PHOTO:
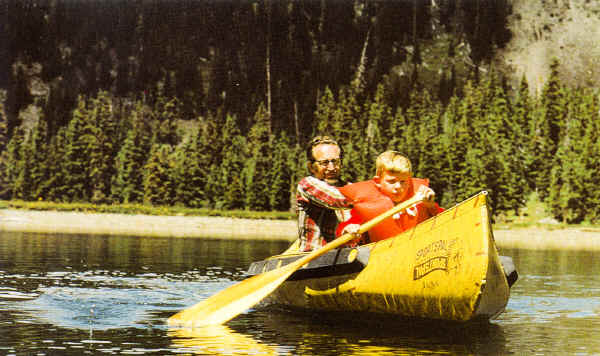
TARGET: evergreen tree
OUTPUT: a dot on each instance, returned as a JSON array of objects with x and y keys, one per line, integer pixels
[
  {"x": 188, "y": 174},
  {"x": 102, "y": 147},
  {"x": 3, "y": 122},
  {"x": 14, "y": 162},
  {"x": 259, "y": 163},
  {"x": 570, "y": 176},
  {"x": 523, "y": 128},
  {"x": 231, "y": 167},
  {"x": 158, "y": 184},
  {"x": 22, "y": 183},
  {"x": 280, "y": 175},
  {"x": 325, "y": 114},
  {"x": 167, "y": 113},
  {"x": 54, "y": 188},
  {"x": 80, "y": 134},
  {"x": 211, "y": 138},
  {"x": 128, "y": 183},
  {"x": 378, "y": 113},
  {"x": 39, "y": 151},
  {"x": 4, "y": 157},
  {"x": 549, "y": 130}
]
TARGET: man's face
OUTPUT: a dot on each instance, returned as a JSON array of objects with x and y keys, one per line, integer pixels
[
  {"x": 394, "y": 184},
  {"x": 327, "y": 163}
]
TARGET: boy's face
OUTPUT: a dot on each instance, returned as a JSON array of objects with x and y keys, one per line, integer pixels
[{"x": 394, "y": 184}]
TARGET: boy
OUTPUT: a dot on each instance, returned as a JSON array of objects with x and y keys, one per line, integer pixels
[{"x": 393, "y": 183}]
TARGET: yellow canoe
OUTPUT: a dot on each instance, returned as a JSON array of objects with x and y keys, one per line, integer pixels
[{"x": 445, "y": 268}]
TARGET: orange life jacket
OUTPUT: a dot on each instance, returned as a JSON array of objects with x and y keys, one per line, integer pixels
[{"x": 369, "y": 202}]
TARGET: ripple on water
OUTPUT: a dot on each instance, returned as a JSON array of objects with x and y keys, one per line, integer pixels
[{"x": 102, "y": 300}]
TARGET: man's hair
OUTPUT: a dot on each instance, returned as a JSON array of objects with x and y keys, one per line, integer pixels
[
  {"x": 320, "y": 140},
  {"x": 392, "y": 161}
]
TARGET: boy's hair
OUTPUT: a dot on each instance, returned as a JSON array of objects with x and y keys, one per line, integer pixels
[
  {"x": 320, "y": 140},
  {"x": 392, "y": 161}
]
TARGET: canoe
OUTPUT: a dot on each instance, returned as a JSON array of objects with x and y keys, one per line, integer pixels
[{"x": 445, "y": 268}]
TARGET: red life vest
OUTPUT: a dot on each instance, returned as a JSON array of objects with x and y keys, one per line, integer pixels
[{"x": 369, "y": 202}]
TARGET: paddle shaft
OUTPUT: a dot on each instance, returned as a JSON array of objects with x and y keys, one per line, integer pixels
[
  {"x": 344, "y": 239},
  {"x": 234, "y": 300}
]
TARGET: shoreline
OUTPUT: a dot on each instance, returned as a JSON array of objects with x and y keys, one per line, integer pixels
[{"x": 15, "y": 220}]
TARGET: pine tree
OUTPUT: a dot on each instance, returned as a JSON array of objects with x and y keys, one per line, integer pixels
[
  {"x": 523, "y": 129},
  {"x": 39, "y": 151},
  {"x": 167, "y": 113},
  {"x": 102, "y": 147},
  {"x": 325, "y": 114},
  {"x": 22, "y": 182},
  {"x": 378, "y": 113},
  {"x": 4, "y": 182},
  {"x": 451, "y": 160},
  {"x": 77, "y": 156},
  {"x": 259, "y": 163},
  {"x": 188, "y": 174},
  {"x": 54, "y": 188},
  {"x": 231, "y": 166},
  {"x": 128, "y": 183},
  {"x": 549, "y": 130},
  {"x": 14, "y": 161},
  {"x": 158, "y": 184},
  {"x": 570, "y": 176},
  {"x": 280, "y": 175},
  {"x": 211, "y": 138},
  {"x": 3, "y": 123}
]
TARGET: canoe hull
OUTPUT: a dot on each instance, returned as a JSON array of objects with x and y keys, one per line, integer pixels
[{"x": 445, "y": 268}]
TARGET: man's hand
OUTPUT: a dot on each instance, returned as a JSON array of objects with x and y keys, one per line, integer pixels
[{"x": 351, "y": 229}]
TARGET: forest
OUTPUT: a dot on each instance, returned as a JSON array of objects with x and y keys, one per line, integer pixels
[{"x": 210, "y": 103}]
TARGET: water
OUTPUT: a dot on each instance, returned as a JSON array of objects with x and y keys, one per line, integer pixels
[{"x": 74, "y": 294}]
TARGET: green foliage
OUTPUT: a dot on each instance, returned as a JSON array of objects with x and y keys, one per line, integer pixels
[
  {"x": 280, "y": 174},
  {"x": 54, "y": 188},
  {"x": 14, "y": 162},
  {"x": 259, "y": 163},
  {"x": 79, "y": 135},
  {"x": 486, "y": 138},
  {"x": 103, "y": 147},
  {"x": 187, "y": 174},
  {"x": 158, "y": 182},
  {"x": 229, "y": 169},
  {"x": 549, "y": 129},
  {"x": 128, "y": 183}
]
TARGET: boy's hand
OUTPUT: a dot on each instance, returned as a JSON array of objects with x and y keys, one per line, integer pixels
[
  {"x": 428, "y": 199},
  {"x": 427, "y": 193}
]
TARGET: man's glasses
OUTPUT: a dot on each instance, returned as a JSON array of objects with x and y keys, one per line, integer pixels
[{"x": 325, "y": 162}]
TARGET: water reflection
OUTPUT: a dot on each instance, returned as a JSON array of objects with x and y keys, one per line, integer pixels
[
  {"x": 361, "y": 334},
  {"x": 112, "y": 295},
  {"x": 217, "y": 340}
]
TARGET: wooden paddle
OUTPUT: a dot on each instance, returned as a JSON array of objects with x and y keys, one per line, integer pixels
[{"x": 234, "y": 300}]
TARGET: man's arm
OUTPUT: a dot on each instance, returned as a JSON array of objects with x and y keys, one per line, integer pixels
[{"x": 322, "y": 194}]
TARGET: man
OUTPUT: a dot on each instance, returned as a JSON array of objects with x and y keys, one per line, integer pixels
[{"x": 320, "y": 205}]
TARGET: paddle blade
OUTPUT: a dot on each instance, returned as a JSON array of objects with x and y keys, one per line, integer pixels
[{"x": 232, "y": 301}]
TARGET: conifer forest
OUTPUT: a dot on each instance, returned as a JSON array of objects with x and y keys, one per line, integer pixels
[{"x": 205, "y": 103}]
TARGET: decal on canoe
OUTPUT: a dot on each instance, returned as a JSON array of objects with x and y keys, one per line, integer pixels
[
  {"x": 433, "y": 264},
  {"x": 436, "y": 247}
]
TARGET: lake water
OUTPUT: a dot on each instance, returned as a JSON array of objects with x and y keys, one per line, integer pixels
[{"x": 83, "y": 294}]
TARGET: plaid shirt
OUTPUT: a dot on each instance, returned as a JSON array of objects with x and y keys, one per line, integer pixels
[{"x": 320, "y": 209}]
